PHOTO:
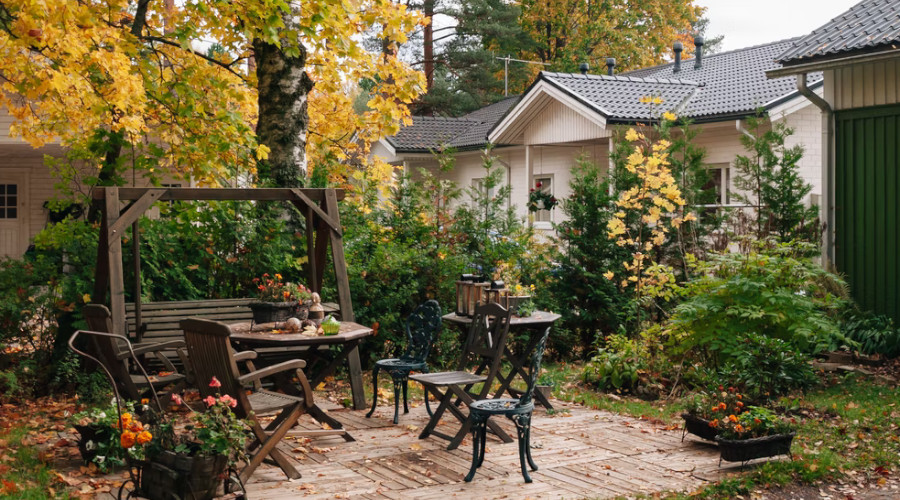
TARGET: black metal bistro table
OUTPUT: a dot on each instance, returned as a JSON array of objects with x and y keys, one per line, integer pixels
[{"x": 536, "y": 325}]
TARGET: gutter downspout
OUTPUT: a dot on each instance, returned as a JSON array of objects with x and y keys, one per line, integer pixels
[{"x": 827, "y": 167}]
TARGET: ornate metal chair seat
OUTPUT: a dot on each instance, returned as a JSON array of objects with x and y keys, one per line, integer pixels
[{"x": 422, "y": 328}]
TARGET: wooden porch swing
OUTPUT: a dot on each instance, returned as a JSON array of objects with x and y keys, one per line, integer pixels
[{"x": 323, "y": 227}]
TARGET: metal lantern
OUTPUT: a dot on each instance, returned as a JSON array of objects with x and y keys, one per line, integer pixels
[{"x": 495, "y": 293}]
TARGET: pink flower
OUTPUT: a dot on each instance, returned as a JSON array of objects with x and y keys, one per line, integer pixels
[
  {"x": 215, "y": 382},
  {"x": 176, "y": 399},
  {"x": 230, "y": 401},
  {"x": 209, "y": 400}
]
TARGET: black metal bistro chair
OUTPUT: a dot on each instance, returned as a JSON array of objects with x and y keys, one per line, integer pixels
[
  {"x": 422, "y": 328},
  {"x": 518, "y": 410}
]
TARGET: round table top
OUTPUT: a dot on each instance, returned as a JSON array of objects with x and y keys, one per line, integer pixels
[
  {"x": 265, "y": 334},
  {"x": 537, "y": 318}
]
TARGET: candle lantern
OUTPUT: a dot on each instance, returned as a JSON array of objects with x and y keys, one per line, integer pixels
[
  {"x": 464, "y": 290},
  {"x": 477, "y": 296},
  {"x": 495, "y": 293}
]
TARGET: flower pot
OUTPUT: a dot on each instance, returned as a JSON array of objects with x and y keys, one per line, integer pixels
[
  {"x": 742, "y": 450},
  {"x": 177, "y": 475},
  {"x": 87, "y": 440},
  {"x": 272, "y": 312},
  {"x": 512, "y": 302},
  {"x": 699, "y": 427}
]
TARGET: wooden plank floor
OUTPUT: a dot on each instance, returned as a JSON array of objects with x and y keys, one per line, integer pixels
[{"x": 581, "y": 453}]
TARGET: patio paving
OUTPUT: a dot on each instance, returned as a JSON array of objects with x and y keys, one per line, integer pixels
[{"x": 581, "y": 453}]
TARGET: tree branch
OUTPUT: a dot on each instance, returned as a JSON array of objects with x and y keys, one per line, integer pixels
[{"x": 224, "y": 65}]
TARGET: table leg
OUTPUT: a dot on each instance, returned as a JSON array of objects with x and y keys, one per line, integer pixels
[
  {"x": 518, "y": 369},
  {"x": 356, "y": 382}
]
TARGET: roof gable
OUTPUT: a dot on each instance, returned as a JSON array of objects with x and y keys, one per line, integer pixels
[{"x": 869, "y": 26}]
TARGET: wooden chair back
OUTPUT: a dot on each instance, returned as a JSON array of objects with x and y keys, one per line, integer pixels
[
  {"x": 485, "y": 340},
  {"x": 211, "y": 355},
  {"x": 110, "y": 348},
  {"x": 422, "y": 328}
]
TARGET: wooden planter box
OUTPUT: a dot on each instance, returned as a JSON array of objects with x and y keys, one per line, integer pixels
[
  {"x": 273, "y": 312},
  {"x": 698, "y": 427},
  {"x": 743, "y": 450},
  {"x": 176, "y": 475}
]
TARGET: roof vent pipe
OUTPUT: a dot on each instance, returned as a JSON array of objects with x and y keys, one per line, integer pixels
[
  {"x": 698, "y": 52},
  {"x": 584, "y": 68},
  {"x": 610, "y": 65},
  {"x": 678, "y": 48}
]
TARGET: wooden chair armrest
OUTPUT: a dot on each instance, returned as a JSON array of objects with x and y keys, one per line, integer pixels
[
  {"x": 244, "y": 356},
  {"x": 152, "y": 348},
  {"x": 167, "y": 363},
  {"x": 294, "y": 364}
]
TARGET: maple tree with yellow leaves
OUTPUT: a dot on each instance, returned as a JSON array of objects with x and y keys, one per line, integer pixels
[{"x": 211, "y": 89}]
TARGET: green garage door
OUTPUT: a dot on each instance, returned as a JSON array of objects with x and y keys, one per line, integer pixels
[{"x": 867, "y": 205}]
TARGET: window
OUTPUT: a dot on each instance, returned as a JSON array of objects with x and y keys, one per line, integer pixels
[
  {"x": 543, "y": 183},
  {"x": 478, "y": 185},
  {"x": 9, "y": 201},
  {"x": 720, "y": 183}
]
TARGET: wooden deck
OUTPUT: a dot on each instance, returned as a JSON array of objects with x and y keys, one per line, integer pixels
[{"x": 581, "y": 453}]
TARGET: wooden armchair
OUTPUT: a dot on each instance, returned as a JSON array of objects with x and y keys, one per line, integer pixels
[
  {"x": 120, "y": 358},
  {"x": 483, "y": 350},
  {"x": 211, "y": 356}
]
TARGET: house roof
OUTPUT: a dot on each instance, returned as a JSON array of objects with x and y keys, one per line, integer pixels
[
  {"x": 729, "y": 84},
  {"x": 466, "y": 132},
  {"x": 617, "y": 98},
  {"x": 869, "y": 26},
  {"x": 733, "y": 82}
]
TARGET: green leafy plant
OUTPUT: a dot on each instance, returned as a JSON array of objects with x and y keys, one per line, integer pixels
[
  {"x": 875, "y": 334},
  {"x": 776, "y": 294},
  {"x": 765, "y": 367},
  {"x": 618, "y": 365},
  {"x": 540, "y": 200}
]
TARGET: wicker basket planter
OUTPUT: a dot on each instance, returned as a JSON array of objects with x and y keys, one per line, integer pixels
[
  {"x": 743, "y": 450},
  {"x": 698, "y": 427},
  {"x": 177, "y": 475},
  {"x": 272, "y": 312}
]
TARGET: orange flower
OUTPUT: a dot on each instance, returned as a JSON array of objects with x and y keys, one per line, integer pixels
[
  {"x": 757, "y": 421},
  {"x": 714, "y": 423},
  {"x": 135, "y": 426},
  {"x": 722, "y": 406},
  {"x": 124, "y": 420},
  {"x": 739, "y": 428},
  {"x": 732, "y": 418},
  {"x": 740, "y": 397},
  {"x": 739, "y": 404},
  {"x": 144, "y": 437},
  {"x": 127, "y": 439},
  {"x": 715, "y": 408}
]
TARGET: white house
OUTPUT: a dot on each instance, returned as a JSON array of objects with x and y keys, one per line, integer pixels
[{"x": 539, "y": 134}]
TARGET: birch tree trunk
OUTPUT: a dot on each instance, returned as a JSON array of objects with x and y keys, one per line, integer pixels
[{"x": 283, "y": 119}]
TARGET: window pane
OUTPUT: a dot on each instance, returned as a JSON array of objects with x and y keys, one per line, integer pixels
[
  {"x": 2, "y": 213},
  {"x": 10, "y": 213},
  {"x": 2, "y": 188},
  {"x": 11, "y": 189},
  {"x": 11, "y": 201},
  {"x": 715, "y": 183}
]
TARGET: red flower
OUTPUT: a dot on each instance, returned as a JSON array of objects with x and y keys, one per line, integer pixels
[
  {"x": 537, "y": 184},
  {"x": 215, "y": 382},
  {"x": 209, "y": 400},
  {"x": 176, "y": 399},
  {"x": 230, "y": 401}
]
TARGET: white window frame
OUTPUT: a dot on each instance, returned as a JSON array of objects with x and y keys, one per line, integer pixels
[{"x": 725, "y": 192}]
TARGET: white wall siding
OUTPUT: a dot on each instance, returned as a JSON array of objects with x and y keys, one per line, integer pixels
[
  {"x": 807, "y": 126},
  {"x": 558, "y": 123},
  {"x": 863, "y": 85}
]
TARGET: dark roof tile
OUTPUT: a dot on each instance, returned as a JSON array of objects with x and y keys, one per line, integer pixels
[{"x": 870, "y": 25}]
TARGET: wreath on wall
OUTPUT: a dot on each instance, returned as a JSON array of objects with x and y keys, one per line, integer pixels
[{"x": 540, "y": 200}]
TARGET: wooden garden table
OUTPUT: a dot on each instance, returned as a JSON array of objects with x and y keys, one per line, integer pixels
[
  {"x": 265, "y": 340},
  {"x": 536, "y": 325}
]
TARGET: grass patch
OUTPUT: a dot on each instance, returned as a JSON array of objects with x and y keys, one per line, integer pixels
[{"x": 23, "y": 475}]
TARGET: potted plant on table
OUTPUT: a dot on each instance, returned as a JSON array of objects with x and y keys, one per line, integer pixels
[
  {"x": 707, "y": 409},
  {"x": 755, "y": 433},
  {"x": 277, "y": 300}
]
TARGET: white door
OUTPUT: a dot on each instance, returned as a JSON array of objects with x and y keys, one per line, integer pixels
[{"x": 13, "y": 236}]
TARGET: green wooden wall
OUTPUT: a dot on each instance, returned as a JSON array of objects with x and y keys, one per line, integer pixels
[{"x": 867, "y": 205}]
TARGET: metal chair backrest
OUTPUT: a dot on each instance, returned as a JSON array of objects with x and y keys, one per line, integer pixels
[
  {"x": 111, "y": 348},
  {"x": 211, "y": 355},
  {"x": 422, "y": 328},
  {"x": 534, "y": 369},
  {"x": 113, "y": 369},
  {"x": 486, "y": 339}
]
